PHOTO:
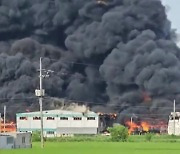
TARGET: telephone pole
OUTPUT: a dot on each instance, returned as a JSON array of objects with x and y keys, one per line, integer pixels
[
  {"x": 40, "y": 101},
  {"x": 40, "y": 93},
  {"x": 133, "y": 116},
  {"x": 174, "y": 117},
  {"x": 131, "y": 120},
  {"x": 4, "y": 119}
]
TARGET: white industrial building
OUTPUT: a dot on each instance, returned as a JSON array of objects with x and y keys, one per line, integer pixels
[
  {"x": 58, "y": 122},
  {"x": 174, "y": 124},
  {"x": 15, "y": 140}
]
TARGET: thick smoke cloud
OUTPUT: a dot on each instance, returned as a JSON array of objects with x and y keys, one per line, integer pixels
[{"x": 120, "y": 55}]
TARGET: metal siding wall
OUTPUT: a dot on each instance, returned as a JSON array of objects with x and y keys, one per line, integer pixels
[
  {"x": 83, "y": 126},
  {"x": 75, "y": 130},
  {"x": 50, "y": 123},
  {"x": 171, "y": 127}
]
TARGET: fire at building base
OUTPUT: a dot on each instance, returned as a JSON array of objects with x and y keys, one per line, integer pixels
[
  {"x": 142, "y": 127},
  {"x": 80, "y": 118}
]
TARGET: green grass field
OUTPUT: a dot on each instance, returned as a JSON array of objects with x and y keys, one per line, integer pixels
[{"x": 99, "y": 148}]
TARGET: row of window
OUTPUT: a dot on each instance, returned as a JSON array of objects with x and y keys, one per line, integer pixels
[
  {"x": 61, "y": 118},
  {"x": 50, "y": 132}
]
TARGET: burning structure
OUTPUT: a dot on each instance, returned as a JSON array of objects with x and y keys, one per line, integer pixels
[
  {"x": 106, "y": 54},
  {"x": 142, "y": 127},
  {"x": 8, "y": 127},
  {"x": 106, "y": 120}
]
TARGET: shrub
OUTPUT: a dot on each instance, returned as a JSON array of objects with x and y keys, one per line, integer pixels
[
  {"x": 36, "y": 136},
  {"x": 118, "y": 133},
  {"x": 173, "y": 136},
  {"x": 148, "y": 137},
  {"x": 81, "y": 138}
]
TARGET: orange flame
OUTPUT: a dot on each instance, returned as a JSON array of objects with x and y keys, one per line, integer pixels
[
  {"x": 9, "y": 127},
  {"x": 145, "y": 126},
  {"x": 133, "y": 126}
]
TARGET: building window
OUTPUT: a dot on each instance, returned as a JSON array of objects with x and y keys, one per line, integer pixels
[
  {"x": 36, "y": 118},
  {"x": 23, "y": 139},
  {"x": 176, "y": 118},
  {"x": 77, "y": 118},
  {"x": 91, "y": 118},
  {"x": 50, "y": 132},
  {"x": 23, "y": 118},
  {"x": 50, "y": 118},
  {"x": 171, "y": 117},
  {"x": 10, "y": 140},
  {"x": 63, "y": 118}
]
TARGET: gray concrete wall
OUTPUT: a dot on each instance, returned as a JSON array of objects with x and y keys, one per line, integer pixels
[
  {"x": 4, "y": 144},
  {"x": 23, "y": 143}
]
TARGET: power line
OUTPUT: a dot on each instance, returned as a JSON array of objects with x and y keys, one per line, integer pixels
[
  {"x": 73, "y": 62},
  {"x": 25, "y": 98},
  {"x": 142, "y": 114},
  {"x": 119, "y": 113},
  {"x": 89, "y": 103},
  {"x": 111, "y": 105},
  {"x": 85, "y": 64}
]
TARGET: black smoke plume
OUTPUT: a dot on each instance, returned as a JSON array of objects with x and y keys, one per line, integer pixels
[{"x": 120, "y": 55}]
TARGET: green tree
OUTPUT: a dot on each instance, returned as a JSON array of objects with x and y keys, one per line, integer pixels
[{"x": 118, "y": 133}]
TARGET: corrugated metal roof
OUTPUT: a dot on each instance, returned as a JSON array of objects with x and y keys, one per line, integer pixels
[{"x": 59, "y": 112}]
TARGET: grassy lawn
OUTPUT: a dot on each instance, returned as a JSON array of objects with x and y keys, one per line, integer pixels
[{"x": 99, "y": 148}]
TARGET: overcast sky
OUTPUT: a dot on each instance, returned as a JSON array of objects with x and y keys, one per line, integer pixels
[{"x": 173, "y": 13}]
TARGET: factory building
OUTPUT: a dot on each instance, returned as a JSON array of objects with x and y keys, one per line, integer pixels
[{"x": 59, "y": 122}]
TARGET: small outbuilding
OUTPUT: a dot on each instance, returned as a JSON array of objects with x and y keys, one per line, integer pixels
[{"x": 15, "y": 140}]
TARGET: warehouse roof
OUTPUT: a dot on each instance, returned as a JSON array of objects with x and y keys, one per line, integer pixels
[{"x": 58, "y": 112}]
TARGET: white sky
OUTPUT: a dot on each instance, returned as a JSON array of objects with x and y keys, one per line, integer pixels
[{"x": 173, "y": 13}]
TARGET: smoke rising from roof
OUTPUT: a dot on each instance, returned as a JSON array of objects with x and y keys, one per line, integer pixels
[{"x": 129, "y": 44}]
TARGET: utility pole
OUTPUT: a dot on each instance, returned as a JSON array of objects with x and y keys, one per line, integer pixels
[
  {"x": 133, "y": 115},
  {"x": 174, "y": 117},
  {"x": 4, "y": 118},
  {"x": 40, "y": 101},
  {"x": 40, "y": 93},
  {"x": 131, "y": 120}
]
